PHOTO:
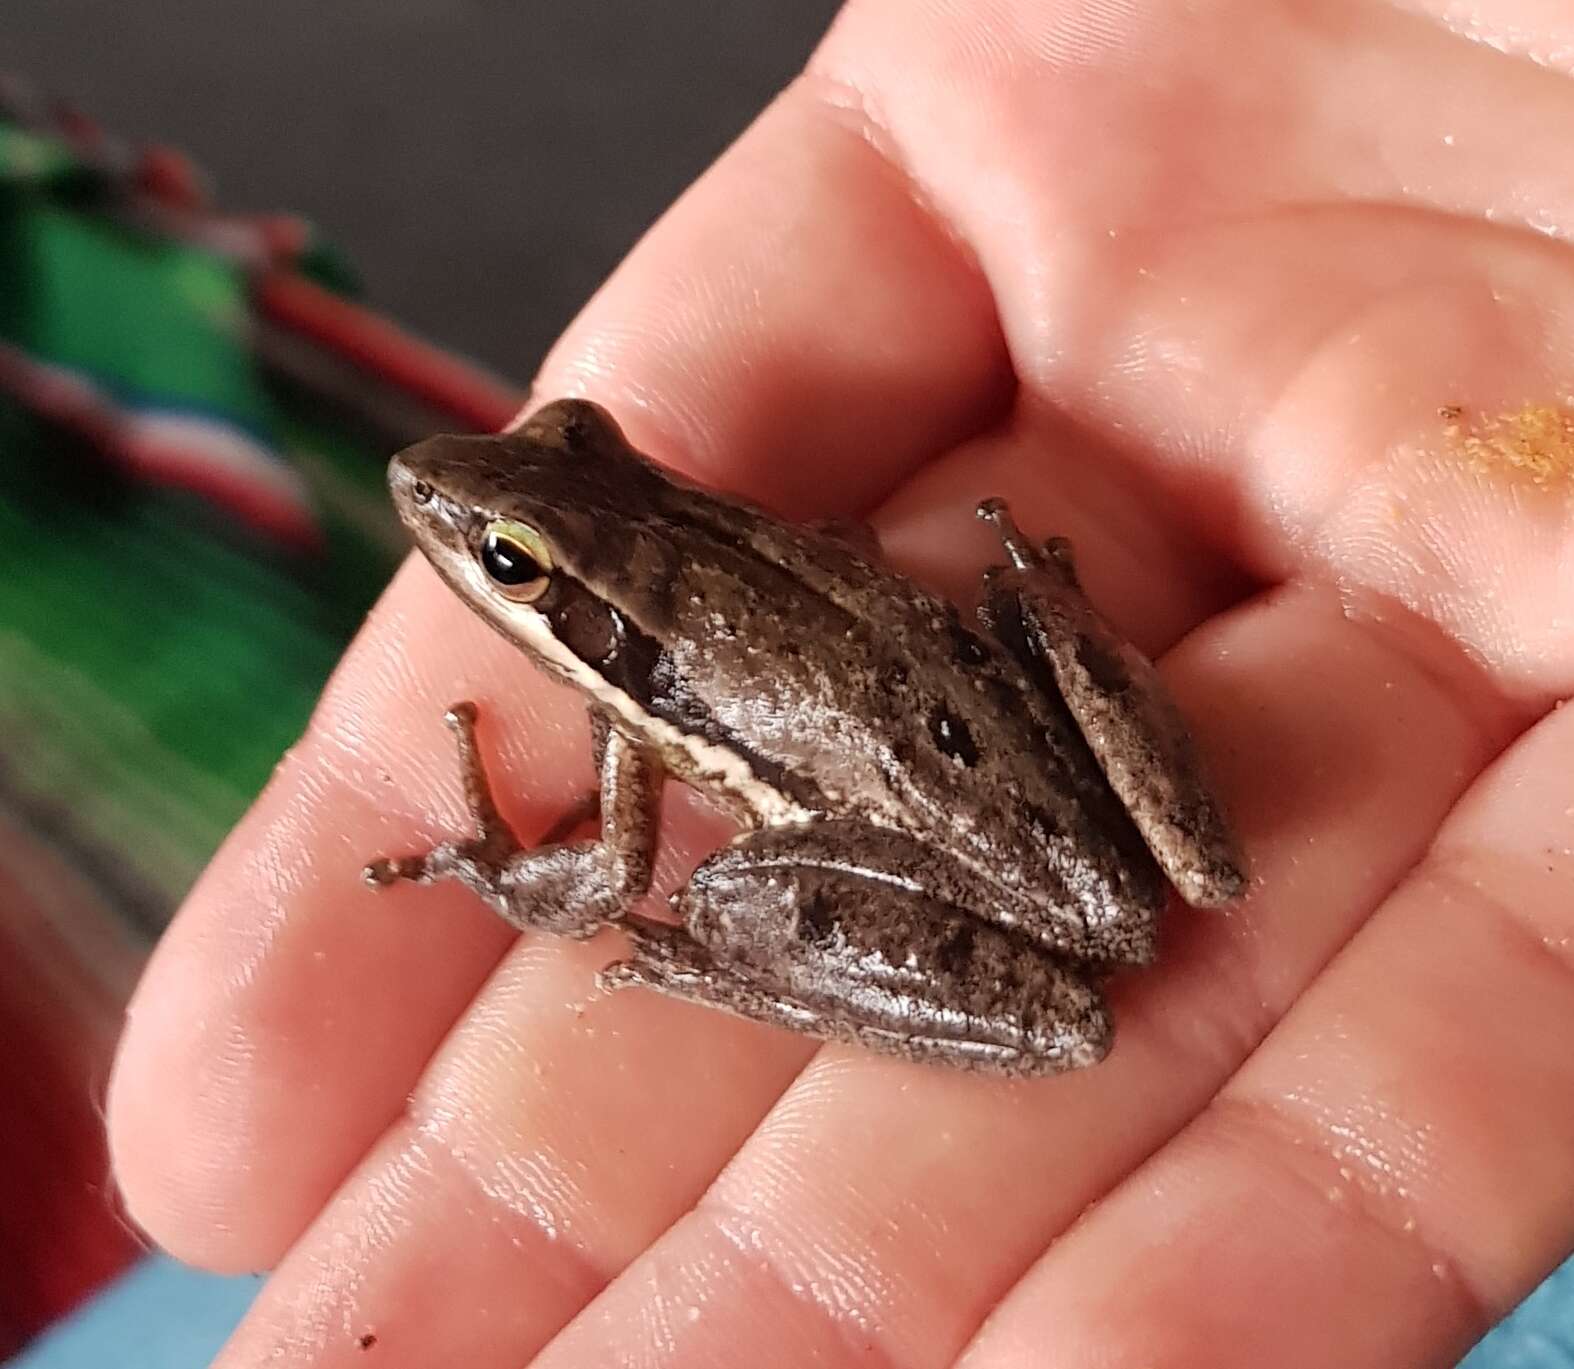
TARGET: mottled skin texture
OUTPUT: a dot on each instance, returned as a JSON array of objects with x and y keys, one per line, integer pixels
[{"x": 934, "y": 861}]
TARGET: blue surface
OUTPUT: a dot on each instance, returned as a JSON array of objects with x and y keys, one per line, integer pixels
[
  {"x": 1538, "y": 1335},
  {"x": 163, "y": 1315}
]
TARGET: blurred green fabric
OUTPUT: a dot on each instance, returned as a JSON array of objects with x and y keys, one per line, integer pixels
[
  {"x": 194, "y": 421},
  {"x": 159, "y": 647}
]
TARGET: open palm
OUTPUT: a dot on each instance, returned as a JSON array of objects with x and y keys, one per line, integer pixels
[{"x": 1190, "y": 283}]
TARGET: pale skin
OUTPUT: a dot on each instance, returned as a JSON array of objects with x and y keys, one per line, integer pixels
[{"x": 1187, "y": 284}]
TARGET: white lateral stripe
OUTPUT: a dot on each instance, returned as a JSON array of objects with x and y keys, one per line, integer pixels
[{"x": 726, "y": 768}]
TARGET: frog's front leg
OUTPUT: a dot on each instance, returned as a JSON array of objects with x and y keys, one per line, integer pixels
[
  {"x": 833, "y": 929},
  {"x": 570, "y": 888},
  {"x": 1038, "y": 610}
]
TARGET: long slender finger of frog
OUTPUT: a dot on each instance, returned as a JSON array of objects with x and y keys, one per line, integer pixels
[
  {"x": 600, "y": 729},
  {"x": 494, "y": 841},
  {"x": 449, "y": 860},
  {"x": 387, "y": 870},
  {"x": 995, "y": 512},
  {"x": 469, "y": 862},
  {"x": 631, "y": 777},
  {"x": 489, "y": 824}
]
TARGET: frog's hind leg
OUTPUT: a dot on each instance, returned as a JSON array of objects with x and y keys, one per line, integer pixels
[
  {"x": 570, "y": 888},
  {"x": 668, "y": 961},
  {"x": 1122, "y": 707},
  {"x": 855, "y": 933}
]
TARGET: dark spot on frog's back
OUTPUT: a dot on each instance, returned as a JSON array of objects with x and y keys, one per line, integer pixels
[{"x": 952, "y": 736}]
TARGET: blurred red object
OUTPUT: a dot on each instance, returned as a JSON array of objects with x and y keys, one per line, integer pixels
[{"x": 60, "y": 1009}]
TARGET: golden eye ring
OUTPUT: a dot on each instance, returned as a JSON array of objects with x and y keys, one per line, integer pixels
[{"x": 516, "y": 560}]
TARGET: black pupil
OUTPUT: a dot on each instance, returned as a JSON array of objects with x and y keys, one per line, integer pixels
[{"x": 507, "y": 562}]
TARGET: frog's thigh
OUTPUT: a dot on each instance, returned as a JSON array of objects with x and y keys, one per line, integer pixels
[
  {"x": 850, "y": 947},
  {"x": 672, "y": 963}
]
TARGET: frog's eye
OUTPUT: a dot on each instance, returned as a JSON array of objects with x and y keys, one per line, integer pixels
[{"x": 516, "y": 560}]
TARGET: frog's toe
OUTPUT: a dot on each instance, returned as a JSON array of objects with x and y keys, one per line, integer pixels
[{"x": 386, "y": 870}]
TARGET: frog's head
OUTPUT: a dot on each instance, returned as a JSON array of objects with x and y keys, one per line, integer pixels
[{"x": 546, "y": 532}]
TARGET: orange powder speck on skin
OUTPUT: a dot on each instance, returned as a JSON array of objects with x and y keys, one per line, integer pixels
[{"x": 1536, "y": 440}]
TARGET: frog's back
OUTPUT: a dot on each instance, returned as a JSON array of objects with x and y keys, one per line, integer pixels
[
  {"x": 866, "y": 696},
  {"x": 779, "y": 667}
]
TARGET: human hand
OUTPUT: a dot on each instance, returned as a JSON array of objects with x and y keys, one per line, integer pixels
[{"x": 1188, "y": 283}]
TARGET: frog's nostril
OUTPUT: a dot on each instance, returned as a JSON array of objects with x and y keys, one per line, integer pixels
[{"x": 421, "y": 492}]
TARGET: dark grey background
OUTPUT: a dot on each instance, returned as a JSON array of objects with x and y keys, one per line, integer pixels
[{"x": 483, "y": 163}]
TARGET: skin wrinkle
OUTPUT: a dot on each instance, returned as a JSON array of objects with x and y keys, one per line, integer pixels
[
  {"x": 839, "y": 98},
  {"x": 1406, "y": 13},
  {"x": 1445, "y": 870},
  {"x": 725, "y": 1214},
  {"x": 408, "y": 1152},
  {"x": 1413, "y": 210},
  {"x": 860, "y": 1337},
  {"x": 573, "y": 1264},
  {"x": 1282, "y": 1142},
  {"x": 539, "y": 1188},
  {"x": 1454, "y": 671},
  {"x": 330, "y": 1306},
  {"x": 1480, "y": 46}
]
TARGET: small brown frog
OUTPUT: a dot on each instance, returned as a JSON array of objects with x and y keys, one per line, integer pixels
[{"x": 950, "y": 836}]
